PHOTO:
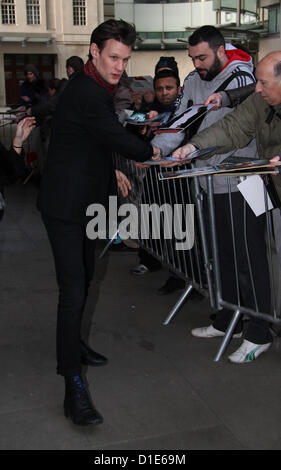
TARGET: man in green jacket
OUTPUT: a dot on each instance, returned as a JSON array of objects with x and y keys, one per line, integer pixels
[{"x": 259, "y": 117}]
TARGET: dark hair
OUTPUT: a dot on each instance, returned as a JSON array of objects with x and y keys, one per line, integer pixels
[
  {"x": 208, "y": 34},
  {"x": 167, "y": 63},
  {"x": 76, "y": 63},
  {"x": 113, "y": 29},
  {"x": 166, "y": 74},
  {"x": 54, "y": 84},
  {"x": 277, "y": 70}
]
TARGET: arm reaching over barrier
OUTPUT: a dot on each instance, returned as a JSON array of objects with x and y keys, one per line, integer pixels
[
  {"x": 183, "y": 151},
  {"x": 216, "y": 99}
]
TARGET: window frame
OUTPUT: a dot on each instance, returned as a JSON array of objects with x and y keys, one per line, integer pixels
[
  {"x": 79, "y": 12},
  {"x": 8, "y": 12},
  {"x": 274, "y": 9},
  {"x": 33, "y": 12}
]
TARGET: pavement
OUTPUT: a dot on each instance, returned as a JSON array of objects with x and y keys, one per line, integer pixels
[{"x": 161, "y": 390}]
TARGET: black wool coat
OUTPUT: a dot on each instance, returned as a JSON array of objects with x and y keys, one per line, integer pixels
[{"x": 79, "y": 168}]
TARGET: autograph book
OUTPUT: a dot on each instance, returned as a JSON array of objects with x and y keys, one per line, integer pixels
[
  {"x": 225, "y": 169},
  {"x": 141, "y": 119},
  {"x": 197, "y": 153},
  {"x": 184, "y": 120}
]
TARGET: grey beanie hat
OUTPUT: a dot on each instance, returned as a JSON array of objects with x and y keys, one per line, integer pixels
[{"x": 31, "y": 68}]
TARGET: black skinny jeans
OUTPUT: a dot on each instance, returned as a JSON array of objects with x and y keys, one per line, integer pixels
[{"x": 74, "y": 256}]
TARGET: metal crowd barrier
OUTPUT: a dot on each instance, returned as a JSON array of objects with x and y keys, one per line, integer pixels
[
  {"x": 192, "y": 265},
  {"x": 239, "y": 309},
  {"x": 200, "y": 265},
  {"x": 32, "y": 146},
  {"x": 7, "y": 127}
]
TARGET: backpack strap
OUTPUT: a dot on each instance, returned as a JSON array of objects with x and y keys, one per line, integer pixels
[
  {"x": 239, "y": 73},
  {"x": 193, "y": 129}
]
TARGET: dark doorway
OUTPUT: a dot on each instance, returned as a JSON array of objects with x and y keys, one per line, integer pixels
[{"x": 14, "y": 65}]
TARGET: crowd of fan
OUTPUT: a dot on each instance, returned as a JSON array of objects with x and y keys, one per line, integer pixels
[{"x": 38, "y": 99}]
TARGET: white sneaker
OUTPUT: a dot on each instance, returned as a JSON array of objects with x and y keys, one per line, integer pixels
[
  {"x": 248, "y": 352},
  {"x": 210, "y": 332}
]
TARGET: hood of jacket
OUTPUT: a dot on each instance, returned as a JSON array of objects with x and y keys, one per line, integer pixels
[{"x": 239, "y": 57}]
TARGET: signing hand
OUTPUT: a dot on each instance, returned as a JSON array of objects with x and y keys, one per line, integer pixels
[
  {"x": 182, "y": 152},
  {"x": 215, "y": 99},
  {"x": 156, "y": 156},
  {"x": 123, "y": 183}
]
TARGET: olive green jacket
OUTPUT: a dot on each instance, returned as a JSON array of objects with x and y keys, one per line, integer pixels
[{"x": 254, "y": 118}]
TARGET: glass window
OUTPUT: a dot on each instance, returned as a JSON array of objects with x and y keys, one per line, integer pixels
[
  {"x": 20, "y": 75},
  {"x": 47, "y": 75},
  {"x": 33, "y": 59},
  {"x": 8, "y": 12},
  {"x": 8, "y": 75},
  {"x": 7, "y": 60},
  {"x": 166, "y": 1},
  {"x": 79, "y": 12},
  {"x": 274, "y": 19},
  {"x": 20, "y": 60},
  {"x": 33, "y": 11},
  {"x": 46, "y": 59}
]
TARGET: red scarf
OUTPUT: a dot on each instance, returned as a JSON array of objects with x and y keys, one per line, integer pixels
[{"x": 92, "y": 72}]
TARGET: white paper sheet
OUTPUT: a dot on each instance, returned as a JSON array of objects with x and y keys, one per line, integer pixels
[{"x": 252, "y": 189}]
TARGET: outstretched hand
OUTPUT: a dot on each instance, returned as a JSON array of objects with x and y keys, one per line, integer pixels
[
  {"x": 214, "y": 98},
  {"x": 182, "y": 152},
  {"x": 275, "y": 159},
  {"x": 23, "y": 130}
]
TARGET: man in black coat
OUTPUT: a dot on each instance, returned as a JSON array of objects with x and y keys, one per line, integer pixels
[{"x": 79, "y": 172}]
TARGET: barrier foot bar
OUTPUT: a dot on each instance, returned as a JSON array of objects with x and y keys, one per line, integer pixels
[
  {"x": 178, "y": 305},
  {"x": 228, "y": 335},
  {"x": 108, "y": 245},
  {"x": 28, "y": 177}
]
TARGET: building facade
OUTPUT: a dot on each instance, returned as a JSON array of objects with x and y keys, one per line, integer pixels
[
  {"x": 164, "y": 27},
  {"x": 44, "y": 33},
  {"x": 47, "y": 32}
]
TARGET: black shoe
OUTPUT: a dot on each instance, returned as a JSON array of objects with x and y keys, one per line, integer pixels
[
  {"x": 78, "y": 404},
  {"x": 90, "y": 357},
  {"x": 171, "y": 285}
]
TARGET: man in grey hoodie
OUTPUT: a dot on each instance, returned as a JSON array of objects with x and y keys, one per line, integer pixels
[{"x": 218, "y": 68}]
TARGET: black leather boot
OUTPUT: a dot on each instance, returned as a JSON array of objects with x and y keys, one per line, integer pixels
[
  {"x": 90, "y": 357},
  {"x": 78, "y": 404}
]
